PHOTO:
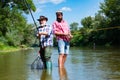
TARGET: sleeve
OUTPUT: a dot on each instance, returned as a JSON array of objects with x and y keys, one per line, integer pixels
[
  {"x": 54, "y": 28},
  {"x": 39, "y": 30},
  {"x": 50, "y": 30},
  {"x": 68, "y": 27}
]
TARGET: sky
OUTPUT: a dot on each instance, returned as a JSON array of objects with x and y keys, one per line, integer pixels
[{"x": 73, "y": 10}]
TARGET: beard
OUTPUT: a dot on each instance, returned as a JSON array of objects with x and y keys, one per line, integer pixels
[{"x": 59, "y": 19}]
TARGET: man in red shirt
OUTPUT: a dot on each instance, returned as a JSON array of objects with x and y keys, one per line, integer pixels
[{"x": 63, "y": 36}]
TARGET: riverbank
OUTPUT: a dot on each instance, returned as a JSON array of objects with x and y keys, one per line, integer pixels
[{"x": 7, "y": 49}]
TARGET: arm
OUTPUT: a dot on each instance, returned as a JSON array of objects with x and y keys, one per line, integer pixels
[
  {"x": 70, "y": 35},
  {"x": 43, "y": 33},
  {"x": 61, "y": 34}
]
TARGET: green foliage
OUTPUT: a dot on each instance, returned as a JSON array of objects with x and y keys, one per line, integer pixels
[
  {"x": 98, "y": 29},
  {"x": 28, "y": 35},
  {"x": 74, "y": 26},
  {"x": 87, "y": 22},
  {"x": 14, "y": 30},
  {"x": 19, "y": 4},
  {"x": 111, "y": 9}
]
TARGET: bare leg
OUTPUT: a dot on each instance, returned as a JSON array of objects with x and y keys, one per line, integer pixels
[
  {"x": 60, "y": 60},
  {"x": 63, "y": 74},
  {"x": 64, "y": 58}
]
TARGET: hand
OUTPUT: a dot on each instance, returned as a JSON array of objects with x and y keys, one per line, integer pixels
[
  {"x": 66, "y": 34},
  {"x": 70, "y": 36}
]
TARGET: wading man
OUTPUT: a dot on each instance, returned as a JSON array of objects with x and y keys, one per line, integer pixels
[
  {"x": 63, "y": 36},
  {"x": 46, "y": 41}
]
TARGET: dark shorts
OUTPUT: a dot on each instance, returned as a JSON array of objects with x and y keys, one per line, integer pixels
[{"x": 46, "y": 53}]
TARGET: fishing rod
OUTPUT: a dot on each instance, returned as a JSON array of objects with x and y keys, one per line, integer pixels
[
  {"x": 28, "y": 6},
  {"x": 26, "y": 3},
  {"x": 37, "y": 63}
]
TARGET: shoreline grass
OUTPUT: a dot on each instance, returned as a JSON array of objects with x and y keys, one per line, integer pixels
[{"x": 7, "y": 49}]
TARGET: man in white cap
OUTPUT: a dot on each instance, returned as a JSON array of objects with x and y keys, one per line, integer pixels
[{"x": 63, "y": 36}]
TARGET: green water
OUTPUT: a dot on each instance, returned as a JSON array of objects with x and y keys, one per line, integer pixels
[{"x": 81, "y": 64}]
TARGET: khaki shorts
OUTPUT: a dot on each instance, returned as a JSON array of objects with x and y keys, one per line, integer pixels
[
  {"x": 46, "y": 53},
  {"x": 63, "y": 47}
]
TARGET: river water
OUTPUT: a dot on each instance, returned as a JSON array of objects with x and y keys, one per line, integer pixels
[{"x": 81, "y": 64}]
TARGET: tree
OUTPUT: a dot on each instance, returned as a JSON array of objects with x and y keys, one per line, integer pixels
[
  {"x": 74, "y": 26},
  {"x": 111, "y": 9},
  {"x": 87, "y": 22},
  {"x": 14, "y": 29},
  {"x": 19, "y": 4}
]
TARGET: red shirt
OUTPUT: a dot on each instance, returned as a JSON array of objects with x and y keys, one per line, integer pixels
[{"x": 61, "y": 27}]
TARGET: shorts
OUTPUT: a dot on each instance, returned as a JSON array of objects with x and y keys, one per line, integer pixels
[{"x": 63, "y": 47}]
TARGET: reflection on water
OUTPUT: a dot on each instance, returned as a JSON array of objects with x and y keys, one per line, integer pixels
[
  {"x": 46, "y": 74},
  {"x": 81, "y": 64},
  {"x": 63, "y": 74}
]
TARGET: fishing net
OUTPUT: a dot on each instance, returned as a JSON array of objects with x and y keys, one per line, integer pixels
[{"x": 37, "y": 63}]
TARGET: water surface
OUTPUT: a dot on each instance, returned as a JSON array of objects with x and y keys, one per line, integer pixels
[{"x": 81, "y": 64}]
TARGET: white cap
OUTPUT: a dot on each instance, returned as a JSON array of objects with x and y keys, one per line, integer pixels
[{"x": 59, "y": 11}]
